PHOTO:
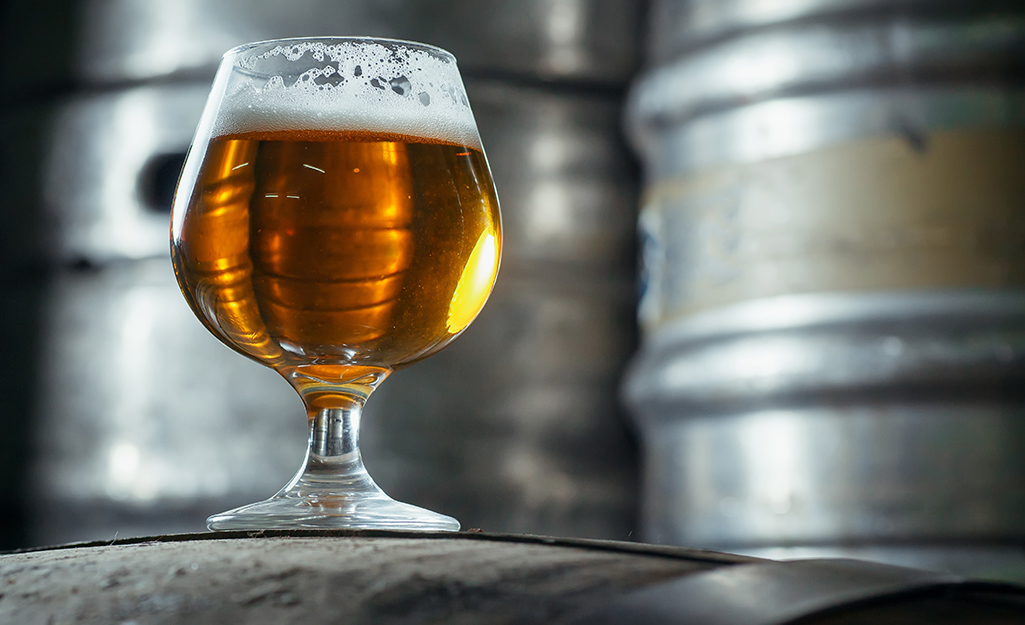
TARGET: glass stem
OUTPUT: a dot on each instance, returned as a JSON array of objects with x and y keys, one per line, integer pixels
[
  {"x": 333, "y": 465},
  {"x": 333, "y": 488},
  {"x": 334, "y": 434}
]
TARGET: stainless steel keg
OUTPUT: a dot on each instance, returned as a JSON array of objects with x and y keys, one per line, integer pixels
[
  {"x": 677, "y": 26},
  {"x": 560, "y": 318},
  {"x": 515, "y": 427},
  {"x": 112, "y": 160},
  {"x": 834, "y": 269},
  {"x": 142, "y": 422},
  {"x": 567, "y": 181},
  {"x": 125, "y": 41}
]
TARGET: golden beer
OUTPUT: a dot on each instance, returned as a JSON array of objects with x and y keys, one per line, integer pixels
[{"x": 338, "y": 247}]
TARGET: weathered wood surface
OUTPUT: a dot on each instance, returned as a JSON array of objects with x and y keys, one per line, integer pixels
[{"x": 331, "y": 577}]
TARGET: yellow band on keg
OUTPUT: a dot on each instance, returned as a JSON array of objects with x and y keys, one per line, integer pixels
[{"x": 883, "y": 213}]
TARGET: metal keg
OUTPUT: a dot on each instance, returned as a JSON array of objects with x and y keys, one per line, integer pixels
[
  {"x": 567, "y": 181},
  {"x": 391, "y": 577},
  {"x": 576, "y": 41},
  {"x": 677, "y": 26},
  {"x": 145, "y": 422},
  {"x": 529, "y": 388},
  {"x": 545, "y": 84},
  {"x": 142, "y": 422},
  {"x": 834, "y": 280},
  {"x": 124, "y": 41},
  {"x": 112, "y": 160},
  {"x": 515, "y": 427}
]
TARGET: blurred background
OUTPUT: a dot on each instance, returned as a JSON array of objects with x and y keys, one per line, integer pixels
[
  {"x": 829, "y": 200},
  {"x": 123, "y": 415}
]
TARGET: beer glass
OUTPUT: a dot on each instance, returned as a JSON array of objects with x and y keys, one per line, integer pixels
[{"x": 336, "y": 220}]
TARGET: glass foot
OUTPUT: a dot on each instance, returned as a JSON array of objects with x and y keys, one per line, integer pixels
[
  {"x": 332, "y": 492},
  {"x": 332, "y": 489},
  {"x": 332, "y": 512}
]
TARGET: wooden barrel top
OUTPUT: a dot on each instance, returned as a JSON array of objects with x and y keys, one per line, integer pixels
[{"x": 332, "y": 576}]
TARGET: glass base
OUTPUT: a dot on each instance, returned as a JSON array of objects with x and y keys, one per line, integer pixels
[
  {"x": 333, "y": 489},
  {"x": 332, "y": 493},
  {"x": 351, "y": 513}
]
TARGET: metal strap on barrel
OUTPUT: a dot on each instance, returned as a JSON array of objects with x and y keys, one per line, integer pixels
[{"x": 769, "y": 593}]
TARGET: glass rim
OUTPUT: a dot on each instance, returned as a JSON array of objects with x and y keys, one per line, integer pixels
[{"x": 418, "y": 45}]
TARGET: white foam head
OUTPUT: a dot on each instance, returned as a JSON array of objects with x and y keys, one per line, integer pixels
[{"x": 345, "y": 85}]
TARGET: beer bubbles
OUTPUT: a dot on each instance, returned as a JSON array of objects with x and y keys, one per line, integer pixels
[{"x": 356, "y": 85}]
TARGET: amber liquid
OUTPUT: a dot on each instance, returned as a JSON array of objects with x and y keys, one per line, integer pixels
[{"x": 302, "y": 247}]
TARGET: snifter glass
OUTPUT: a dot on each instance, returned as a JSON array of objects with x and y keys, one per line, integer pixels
[{"x": 336, "y": 220}]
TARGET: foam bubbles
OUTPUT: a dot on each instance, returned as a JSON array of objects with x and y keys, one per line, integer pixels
[{"x": 356, "y": 85}]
